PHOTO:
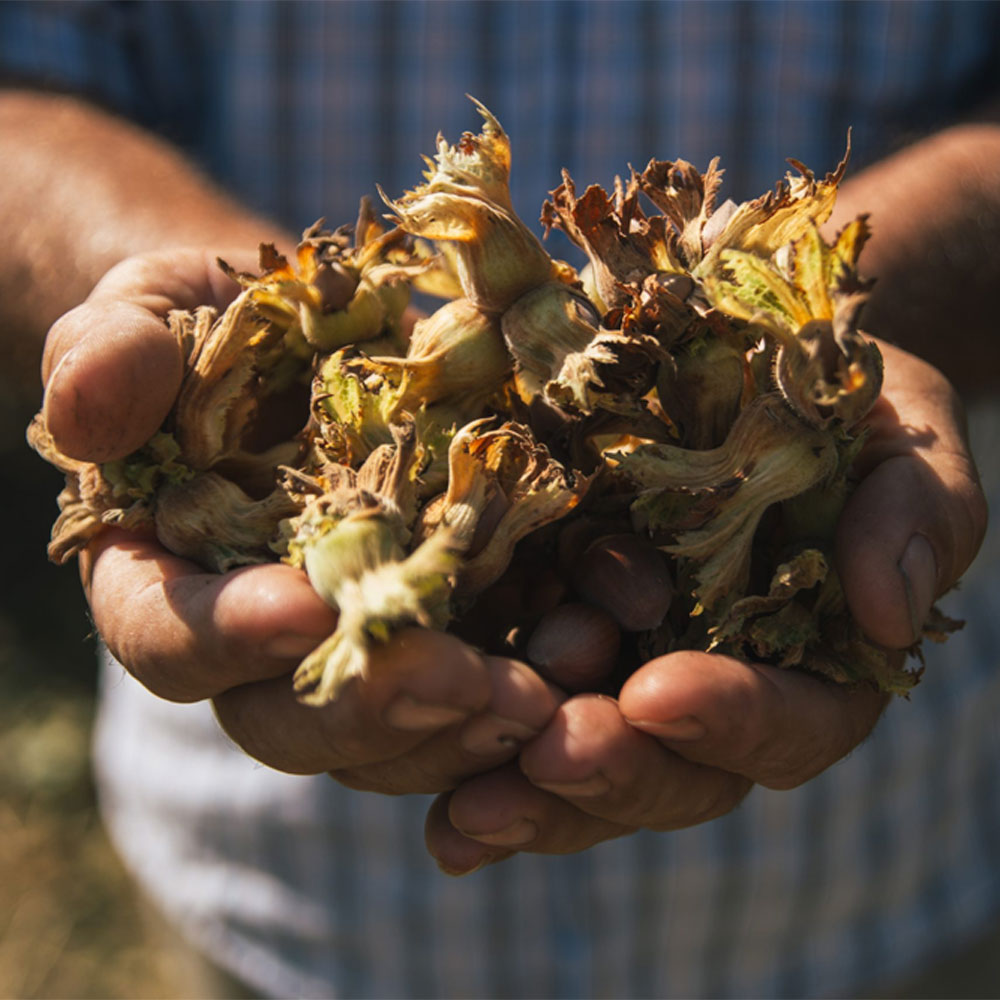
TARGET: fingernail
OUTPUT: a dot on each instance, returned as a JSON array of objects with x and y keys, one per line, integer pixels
[
  {"x": 919, "y": 571},
  {"x": 407, "y": 713},
  {"x": 486, "y": 859},
  {"x": 523, "y": 831},
  {"x": 489, "y": 734},
  {"x": 590, "y": 787},
  {"x": 686, "y": 729},
  {"x": 292, "y": 645}
]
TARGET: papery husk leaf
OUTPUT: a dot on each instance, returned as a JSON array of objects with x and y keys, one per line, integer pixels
[
  {"x": 374, "y": 309},
  {"x": 845, "y": 655},
  {"x": 456, "y": 354},
  {"x": 687, "y": 199},
  {"x": 141, "y": 474},
  {"x": 612, "y": 373},
  {"x": 378, "y": 591},
  {"x": 338, "y": 292},
  {"x": 769, "y": 453},
  {"x": 84, "y": 510},
  {"x": 352, "y": 409},
  {"x": 385, "y": 485},
  {"x": 811, "y": 269},
  {"x": 560, "y": 350},
  {"x": 939, "y": 626},
  {"x": 466, "y": 201},
  {"x": 217, "y": 397},
  {"x": 391, "y": 472},
  {"x": 821, "y": 392},
  {"x": 757, "y": 292},
  {"x": 212, "y": 522},
  {"x": 660, "y": 308},
  {"x": 545, "y": 326},
  {"x": 470, "y": 486},
  {"x": 766, "y": 224},
  {"x": 355, "y": 404},
  {"x": 537, "y": 490},
  {"x": 824, "y": 368},
  {"x": 119, "y": 492},
  {"x": 701, "y": 388},
  {"x": 624, "y": 247},
  {"x": 807, "y": 569},
  {"x": 846, "y": 249}
]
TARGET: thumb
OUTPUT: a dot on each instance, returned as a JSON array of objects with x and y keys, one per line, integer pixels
[
  {"x": 110, "y": 391},
  {"x": 917, "y": 519},
  {"x": 112, "y": 367}
]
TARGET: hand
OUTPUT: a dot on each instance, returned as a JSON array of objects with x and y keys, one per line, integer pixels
[
  {"x": 690, "y": 733},
  {"x": 432, "y": 710}
]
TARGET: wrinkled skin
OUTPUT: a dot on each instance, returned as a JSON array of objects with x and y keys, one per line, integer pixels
[{"x": 519, "y": 764}]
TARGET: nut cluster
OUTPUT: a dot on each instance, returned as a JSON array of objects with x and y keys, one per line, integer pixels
[{"x": 589, "y": 467}]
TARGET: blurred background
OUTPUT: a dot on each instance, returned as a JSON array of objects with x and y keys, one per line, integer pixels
[{"x": 71, "y": 924}]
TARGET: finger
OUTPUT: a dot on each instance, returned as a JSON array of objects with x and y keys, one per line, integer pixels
[
  {"x": 591, "y": 757},
  {"x": 111, "y": 366},
  {"x": 588, "y": 777},
  {"x": 111, "y": 391},
  {"x": 455, "y": 853},
  {"x": 418, "y": 683},
  {"x": 520, "y": 706},
  {"x": 187, "y": 634},
  {"x": 502, "y": 811},
  {"x": 775, "y": 727},
  {"x": 917, "y": 519}
]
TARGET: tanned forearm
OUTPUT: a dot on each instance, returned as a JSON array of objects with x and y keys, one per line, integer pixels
[
  {"x": 81, "y": 191},
  {"x": 935, "y": 251}
]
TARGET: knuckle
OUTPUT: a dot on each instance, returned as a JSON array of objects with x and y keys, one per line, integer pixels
[
  {"x": 349, "y": 744},
  {"x": 722, "y": 798},
  {"x": 715, "y": 794},
  {"x": 399, "y": 776},
  {"x": 157, "y": 671},
  {"x": 743, "y": 717},
  {"x": 786, "y": 763},
  {"x": 239, "y": 716}
]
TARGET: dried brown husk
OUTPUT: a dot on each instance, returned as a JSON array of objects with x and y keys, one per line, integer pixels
[
  {"x": 466, "y": 202},
  {"x": 563, "y": 353},
  {"x": 345, "y": 286},
  {"x": 624, "y": 246},
  {"x": 764, "y": 225},
  {"x": 506, "y": 472},
  {"x": 87, "y": 502},
  {"x": 456, "y": 354},
  {"x": 213, "y": 522}
]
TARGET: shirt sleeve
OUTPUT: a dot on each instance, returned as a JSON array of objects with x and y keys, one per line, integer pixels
[
  {"x": 79, "y": 48},
  {"x": 145, "y": 61}
]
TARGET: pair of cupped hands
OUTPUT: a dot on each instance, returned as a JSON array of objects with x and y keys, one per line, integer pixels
[{"x": 517, "y": 764}]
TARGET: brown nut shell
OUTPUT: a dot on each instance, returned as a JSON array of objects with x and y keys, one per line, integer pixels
[
  {"x": 627, "y": 577},
  {"x": 575, "y": 646}
]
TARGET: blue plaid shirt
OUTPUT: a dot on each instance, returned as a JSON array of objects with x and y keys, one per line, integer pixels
[{"x": 306, "y": 889}]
